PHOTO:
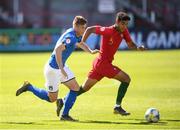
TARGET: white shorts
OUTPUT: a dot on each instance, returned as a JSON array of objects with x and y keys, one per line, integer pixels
[{"x": 54, "y": 77}]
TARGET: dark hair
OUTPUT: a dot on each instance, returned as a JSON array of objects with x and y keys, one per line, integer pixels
[
  {"x": 122, "y": 16},
  {"x": 79, "y": 20}
]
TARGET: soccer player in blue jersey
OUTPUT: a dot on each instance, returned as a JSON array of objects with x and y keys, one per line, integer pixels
[{"x": 56, "y": 71}]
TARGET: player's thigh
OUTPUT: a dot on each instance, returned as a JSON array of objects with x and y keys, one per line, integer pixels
[
  {"x": 69, "y": 74},
  {"x": 122, "y": 76},
  {"x": 52, "y": 78},
  {"x": 109, "y": 70},
  {"x": 89, "y": 83},
  {"x": 72, "y": 84}
]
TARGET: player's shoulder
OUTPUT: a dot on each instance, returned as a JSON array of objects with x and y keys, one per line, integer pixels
[
  {"x": 70, "y": 34},
  {"x": 67, "y": 37},
  {"x": 105, "y": 28}
]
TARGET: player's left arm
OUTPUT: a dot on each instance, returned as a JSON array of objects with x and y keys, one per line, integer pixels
[
  {"x": 83, "y": 46},
  {"x": 132, "y": 45}
]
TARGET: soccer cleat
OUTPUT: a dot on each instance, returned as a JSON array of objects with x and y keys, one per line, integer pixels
[
  {"x": 67, "y": 118},
  {"x": 23, "y": 88},
  {"x": 59, "y": 105},
  {"x": 121, "y": 111}
]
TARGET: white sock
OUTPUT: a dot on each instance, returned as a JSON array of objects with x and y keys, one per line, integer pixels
[{"x": 117, "y": 105}]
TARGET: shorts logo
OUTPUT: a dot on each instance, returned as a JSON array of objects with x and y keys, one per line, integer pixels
[
  {"x": 68, "y": 41},
  {"x": 50, "y": 88},
  {"x": 102, "y": 29}
]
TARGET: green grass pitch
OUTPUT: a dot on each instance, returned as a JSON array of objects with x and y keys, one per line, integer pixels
[{"x": 155, "y": 82}]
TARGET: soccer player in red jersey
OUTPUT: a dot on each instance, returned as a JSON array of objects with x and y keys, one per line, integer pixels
[{"x": 102, "y": 65}]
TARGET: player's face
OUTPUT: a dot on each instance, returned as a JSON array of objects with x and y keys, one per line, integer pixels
[
  {"x": 81, "y": 29},
  {"x": 123, "y": 25}
]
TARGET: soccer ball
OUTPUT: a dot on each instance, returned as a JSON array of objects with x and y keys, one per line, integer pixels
[{"x": 152, "y": 115}]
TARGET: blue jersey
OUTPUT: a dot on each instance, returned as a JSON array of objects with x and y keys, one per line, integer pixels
[{"x": 69, "y": 39}]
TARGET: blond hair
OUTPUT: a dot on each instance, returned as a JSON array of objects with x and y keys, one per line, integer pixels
[{"x": 79, "y": 20}]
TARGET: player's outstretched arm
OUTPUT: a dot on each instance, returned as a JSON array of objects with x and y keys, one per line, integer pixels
[
  {"x": 87, "y": 32},
  {"x": 83, "y": 46},
  {"x": 132, "y": 45}
]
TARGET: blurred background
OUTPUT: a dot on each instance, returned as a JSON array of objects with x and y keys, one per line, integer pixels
[{"x": 36, "y": 25}]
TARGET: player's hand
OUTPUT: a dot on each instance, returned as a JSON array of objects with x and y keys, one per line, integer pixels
[
  {"x": 141, "y": 48},
  {"x": 64, "y": 73},
  {"x": 95, "y": 51}
]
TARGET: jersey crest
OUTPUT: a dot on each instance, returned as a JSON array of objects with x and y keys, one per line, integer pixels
[
  {"x": 68, "y": 40},
  {"x": 102, "y": 29}
]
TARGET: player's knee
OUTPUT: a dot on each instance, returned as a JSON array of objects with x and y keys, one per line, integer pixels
[
  {"x": 128, "y": 79},
  {"x": 75, "y": 88},
  {"x": 52, "y": 98}
]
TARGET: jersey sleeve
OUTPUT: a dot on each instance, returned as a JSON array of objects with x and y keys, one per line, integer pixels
[
  {"x": 102, "y": 30},
  {"x": 68, "y": 40},
  {"x": 127, "y": 36}
]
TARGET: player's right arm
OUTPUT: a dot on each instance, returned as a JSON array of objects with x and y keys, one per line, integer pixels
[
  {"x": 95, "y": 29},
  {"x": 88, "y": 31},
  {"x": 58, "y": 54}
]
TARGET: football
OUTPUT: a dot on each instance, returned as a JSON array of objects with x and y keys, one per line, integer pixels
[{"x": 152, "y": 115}]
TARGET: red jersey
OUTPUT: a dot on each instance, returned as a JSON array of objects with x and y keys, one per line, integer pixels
[{"x": 110, "y": 41}]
